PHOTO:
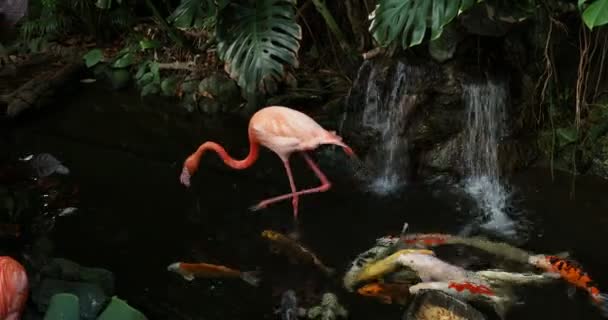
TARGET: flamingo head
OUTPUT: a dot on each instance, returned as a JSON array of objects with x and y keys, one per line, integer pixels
[{"x": 190, "y": 166}]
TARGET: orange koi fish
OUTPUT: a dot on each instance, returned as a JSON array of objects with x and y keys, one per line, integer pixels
[
  {"x": 386, "y": 292},
  {"x": 14, "y": 289},
  {"x": 204, "y": 270},
  {"x": 573, "y": 274},
  {"x": 426, "y": 239}
]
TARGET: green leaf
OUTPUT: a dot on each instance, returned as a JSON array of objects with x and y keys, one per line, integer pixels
[
  {"x": 154, "y": 69},
  {"x": 580, "y": 4},
  {"x": 124, "y": 61},
  {"x": 257, "y": 40},
  {"x": 143, "y": 67},
  {"x": 93, "y": 57},
  {"x": 596, "y": 14},
  {"x": 150, "y": 88},
  {"x": 192, "y": 13},
  {"x": 567, "y": 135},
  {"x": 145, "y": 79},
  {"x": 406, "y": 21},
  {"x": 103, "y": 4},
  {"x": 149, "y": 44},
  {"x": 168, "y": 86}
]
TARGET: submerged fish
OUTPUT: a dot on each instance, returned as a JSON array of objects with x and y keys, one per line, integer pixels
[
  {"x": 204, "y": 270},
  {"x": 386, "y": 292},
  {"x": 573, "y": 274},
  {"x": 469, "y": 291},
  {"x": 329, "y": 309},
  {"x": 289, "y": 306},
  {"x": 294, "y": 251},
  {"x": 389, "y": 264},
  {"x": 45, "y": 164},
  {"x": 14, "y": 288},
  {"x": 365, "y": 258}
]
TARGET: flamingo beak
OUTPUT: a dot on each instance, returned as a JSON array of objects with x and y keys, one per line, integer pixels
[{"x": 184, "y": 177}]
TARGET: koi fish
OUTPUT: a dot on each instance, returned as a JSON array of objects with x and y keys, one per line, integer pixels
[
  {"x": 14, "y": 288},
  {"x": 289, "y": 309},
  {"x": 573, "y": 274},
  {"x": 363, "y": 259},
  {"x": 469, "y": 291},
  {"x": 294, "y": 251},
  {"x": 204, "y": 270},
  {"x": 388, "y": 265},
  {"x": 386, "y": 292}
]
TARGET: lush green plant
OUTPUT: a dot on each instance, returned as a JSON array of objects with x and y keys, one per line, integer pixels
[
  {"x": 194, "y": 14},
  {"x": 257, "y": 40},
  {"x": 595, "y": 13},
  {"x": 407, "y": 21}
]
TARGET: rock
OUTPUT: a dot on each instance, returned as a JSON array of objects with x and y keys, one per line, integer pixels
[
  {"x": 120, "y": 78},
  {"x": 446, "y": 156},
  {"x": 91, "y": 297},
  {"x": 432, "y": 305},
  {"x": 444, "y": 47},
  {"x": 120, "y": 310},
  {"x": 63, "y": 306},
  {"x": 222, "y": 89},
  {"x": 477, "y": 21},
  {"x": 599, "y": 163},
  {"x": 208, "y": 105},
  {"x": 68, "y": 270}
]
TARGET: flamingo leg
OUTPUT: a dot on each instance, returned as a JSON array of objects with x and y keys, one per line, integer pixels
[
  {"x": 325, "y": 185},
  {"x": 292, "y": 184}
]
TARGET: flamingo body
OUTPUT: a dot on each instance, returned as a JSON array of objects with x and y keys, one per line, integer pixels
[
  {"x": 284, "y": 131},
  {"x": 13, "y": 288}
]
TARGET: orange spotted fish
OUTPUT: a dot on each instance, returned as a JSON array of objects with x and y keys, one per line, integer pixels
[
  {"x": 386, "y": 292},
  {"x": 427, "y": 239},
  {"x": 205, "y": 270},
  {"x": 574, "y": 275}
]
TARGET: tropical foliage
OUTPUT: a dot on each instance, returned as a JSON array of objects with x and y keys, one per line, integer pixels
[
  {"x": 256, "y": 41},
  {"x": 407, "y": 21},
  {"x": 594, "y": 12}
]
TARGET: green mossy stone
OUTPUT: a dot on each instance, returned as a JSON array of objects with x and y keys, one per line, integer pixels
[
  {"x": 63, "y": 306},
  {"x": 120, "y": 310}
]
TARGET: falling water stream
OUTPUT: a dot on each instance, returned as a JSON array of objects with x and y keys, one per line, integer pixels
[
  {"x": 486, "y": 118},
  {"x": 387, "y": 101}
]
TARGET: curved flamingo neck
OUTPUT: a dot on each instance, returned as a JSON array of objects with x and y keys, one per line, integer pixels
[{"x": 228, "y": 160}]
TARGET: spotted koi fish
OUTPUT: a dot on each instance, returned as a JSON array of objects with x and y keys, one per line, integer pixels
[{"x": 573, "y": 274}]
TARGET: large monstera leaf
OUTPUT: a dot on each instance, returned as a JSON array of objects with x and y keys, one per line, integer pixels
[
  {"x": 406, "y": 21},
  {"x": 256, "y": 39}
]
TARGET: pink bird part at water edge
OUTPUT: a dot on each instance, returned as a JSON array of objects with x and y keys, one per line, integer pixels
[
  {"x": 13, "y": 289},
  {"x": 284, "y": 131}
]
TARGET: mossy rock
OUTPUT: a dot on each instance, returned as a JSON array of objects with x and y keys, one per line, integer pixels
[
  {"x": 222, "y": 89},
  {"x": 120, "y": 310},
  {"x": 63, "y": 306}
]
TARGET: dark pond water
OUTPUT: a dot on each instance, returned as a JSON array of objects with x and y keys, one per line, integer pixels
[{"x": 135, "y": 218}]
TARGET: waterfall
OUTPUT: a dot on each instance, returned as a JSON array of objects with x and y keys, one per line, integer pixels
[
  {"x": 386, "y": 99},
  {"x": 486, "y": 118}
]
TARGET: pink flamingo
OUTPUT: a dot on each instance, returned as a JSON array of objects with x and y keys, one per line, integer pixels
[
  {"x": 283, "y": 131},
  {"x": 13, "y": 288}
]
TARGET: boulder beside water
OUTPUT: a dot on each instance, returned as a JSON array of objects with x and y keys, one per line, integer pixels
[
  {"x": 91, "y": 297},
  {"x": 65, "y": 269},
  {"x": 432, "y": 305}
]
